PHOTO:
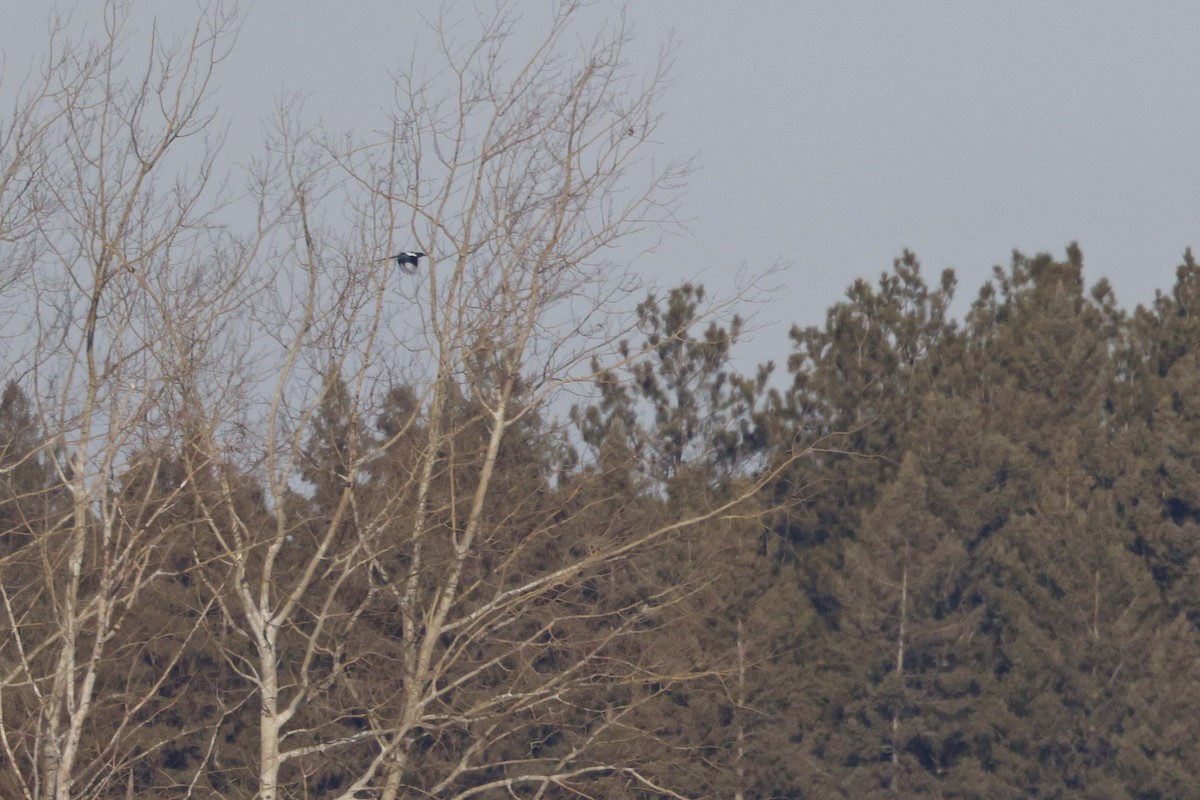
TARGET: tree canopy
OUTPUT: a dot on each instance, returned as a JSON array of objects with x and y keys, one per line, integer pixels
[{"x": 277, "y": 521}]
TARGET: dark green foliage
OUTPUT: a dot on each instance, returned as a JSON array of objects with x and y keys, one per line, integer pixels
[
  {"x": 858, "y": 388},
  {"x": 903, "y": 626},
  {"x": 333, "y": 444},
  {"x": 681, "y": 406},
  {"x": 1054, "y": 561},
  {"x": 981, "y": 580}
]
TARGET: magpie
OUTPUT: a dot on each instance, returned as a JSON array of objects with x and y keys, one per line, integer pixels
[{"x": 406, "y": 261}]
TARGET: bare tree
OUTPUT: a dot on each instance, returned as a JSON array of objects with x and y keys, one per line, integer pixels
[
  {"x": 386, "y": 573},
  {"x": 113, "y": 249}
]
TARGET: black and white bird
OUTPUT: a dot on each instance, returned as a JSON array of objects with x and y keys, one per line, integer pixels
[{"x": 406, "y": 261}]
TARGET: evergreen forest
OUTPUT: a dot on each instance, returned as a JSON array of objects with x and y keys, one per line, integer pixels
[{"x": 283, "y": 518}]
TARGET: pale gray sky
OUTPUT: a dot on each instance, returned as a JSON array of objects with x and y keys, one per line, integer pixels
[{"x": 833, "y": 135}]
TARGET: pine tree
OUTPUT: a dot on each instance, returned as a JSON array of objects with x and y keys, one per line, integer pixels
[
  {"x": 25, "y": 472},
  {"x": 333, "y": 445},
  {"x": 898, "y": 728},
  {"x": 1066, "y": 601},
  {"x": 858, "y": 385}
]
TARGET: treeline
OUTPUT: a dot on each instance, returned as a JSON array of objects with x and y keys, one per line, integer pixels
[
  {"x": 1002, "y": 562},
  {"x": 951, "y": 559},
  {"x": 280, "y": 520}
]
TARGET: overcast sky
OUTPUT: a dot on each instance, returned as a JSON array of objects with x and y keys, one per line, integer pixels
[{"x": 833, "y": 135}]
